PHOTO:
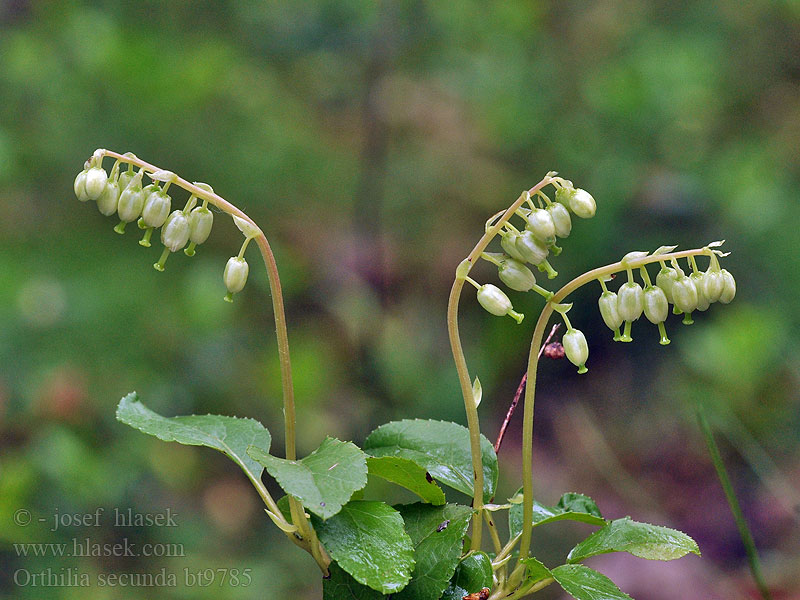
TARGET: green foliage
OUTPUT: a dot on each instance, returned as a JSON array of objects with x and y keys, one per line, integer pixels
[
  {"x": 229, "y": 435},
  {"x": 535, "y": 571},
  {"x": 436, "y": 532},
  {"x": 368, "y": 541},
  {"x": 440, "y": 447},
  {"x": 472, "y": 574},
  {"x": 571, "y": 507},
  {"x": 583, "y": 583},
  {"x": 408, "y": 474},
  {"x": 640, "y": 539},
  {"x": 341, "y": 586},
  {"x": 324, "y": 480}
]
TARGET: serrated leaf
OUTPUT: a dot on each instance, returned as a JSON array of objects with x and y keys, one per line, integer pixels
[
  {"x": 407, "y": 474},
  {"x": 323, "y": 481},
  {"x": 583, "y": 583},
  {"x": 229, "y": 435},
  {"x": 570, "y": 507},
  {"x": 436, "y": 533},
  {"x": 341, "y": 586},
  {"x": 535, "y": 571},
  {"x": 640, "y": 539},
  {"x": 368, "y": 541},
  {"x": 472, "y": 574},
  {"x": 440, "y": 447}
]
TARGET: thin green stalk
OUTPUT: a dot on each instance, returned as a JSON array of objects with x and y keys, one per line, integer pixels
[
  {"x": 530, "y": 390},
  {"x": 298, "y": 514},
  {"x": 733, "y": 503},
  {"x": 473, "y": 422}
]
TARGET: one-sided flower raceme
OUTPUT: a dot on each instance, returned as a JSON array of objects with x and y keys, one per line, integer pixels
[{"x": 123, "y": 192}]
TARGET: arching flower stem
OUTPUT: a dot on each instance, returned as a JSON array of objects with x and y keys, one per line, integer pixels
[
  {"x": 309, "y": 540},
  {"x": 473, "y": 422},
  {"x": 601, "y": 273}
]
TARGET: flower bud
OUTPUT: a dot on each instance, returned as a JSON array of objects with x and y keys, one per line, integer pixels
[
  {"x": 156, "y": 208},
  {"x": 576, "y": 348},
  {"x": 665, "y": 278},
  {"x": 80, "y": 186},
  {"x": 630, "y": 301},
  {"x": 200, "y": 221},
  {"x": 496, "y": 302},
  {"x": 563, "y": 194},
  {"x": 582, "y": 204},
  {"x": 516, "y": 275},
  {"x": 608, "y": 310},
  {"x": 713, "y": 282},
  {"x": 655, "y": 303},
  {"x": 235, "y": 276},
  {"x": 541, "y": 225},
  {"x": 561, "y": 219},
  {"x": 96, "y": 179},
  {"x": 131, "y": 200},
  {"x": 508, "y": 241},
  {"x": 175, "y": 232},
  {"x": 108, "y": 201},
  {"x": 531, "y": 249},
  {"x": 728, "y": 287},
  {"x": 698, "y": 279},
  {"x": 124, "y": 179},
  {"x": 684, "y": 294}
]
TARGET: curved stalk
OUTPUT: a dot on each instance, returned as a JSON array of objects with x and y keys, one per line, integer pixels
[
  {"x": 298, "y": 514},
  {"x": 473, "y": 422},
  {"x": 530, "y": 389}
]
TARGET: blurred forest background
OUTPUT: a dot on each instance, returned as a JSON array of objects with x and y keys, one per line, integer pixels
[{"x": 371, "y": 140}]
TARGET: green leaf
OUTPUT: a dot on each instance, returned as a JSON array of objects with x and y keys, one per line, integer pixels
[
  {"x": 407, "y": 474},
  {"x": 341, "y": 586},
  {"x": 571, "y": 506},
  {"x": 583, "y": 583},
  {"x": 368, "y": 541},
  {"x": 640, "y": 539},
  {"x": 229, "y": 435},
  {"x": 440, "y": 447},
  {"x": 324, "y": 480},
  {"x": 536, "y": 571},
  {"x": 436, "y": 533},
  {"x": 472, "y": 574}
]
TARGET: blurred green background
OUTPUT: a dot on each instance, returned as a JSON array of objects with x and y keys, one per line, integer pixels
[{"x": 371, "y": 140}]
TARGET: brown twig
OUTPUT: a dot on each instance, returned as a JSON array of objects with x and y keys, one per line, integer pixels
[{"x": 518, "y": 394}]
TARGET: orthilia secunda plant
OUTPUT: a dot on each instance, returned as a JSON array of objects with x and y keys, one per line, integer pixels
[{"x": 366, "y": 548}]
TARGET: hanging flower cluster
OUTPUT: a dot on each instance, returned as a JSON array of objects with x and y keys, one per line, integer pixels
[
  {"x": 686, "y": 293},
  {"x": 545, "y": 221},
  {"x": 122, "y": 191}
]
